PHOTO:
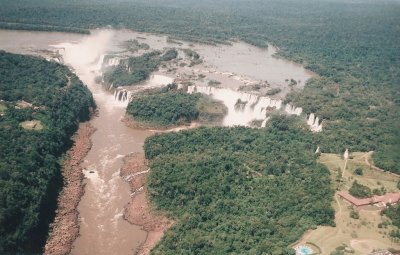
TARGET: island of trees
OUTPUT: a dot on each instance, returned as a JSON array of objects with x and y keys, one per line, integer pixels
[
  {"x": 169, "y": 106},
  {"x": 134, "y": 70},
  {"x": 41, "y": 104}
]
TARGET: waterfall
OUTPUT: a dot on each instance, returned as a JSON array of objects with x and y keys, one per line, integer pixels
[
  {"x": 311, "y": 118},
  {"x": 113, "y": 61},
  {"x": 122, "y": 95},
  {"x": 245, "y": 107},
  {"x": 191, "y": 89},
  {"x": 318, "y": 150},
  {"x": 99, "y": 63},
  {"x": 291, "y": 109},
  {"x": 346, "y": 154},
  {"x": 298, "y": 111},
  {"x": 264, "y": 123},
  {"x": 314, "y": 124}
]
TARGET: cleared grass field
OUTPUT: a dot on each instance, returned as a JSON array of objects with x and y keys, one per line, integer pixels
[
  {"x": 359, "y": 235},
  {"x": 3, "y": 107},
  {"x": 32, "y": 125}
]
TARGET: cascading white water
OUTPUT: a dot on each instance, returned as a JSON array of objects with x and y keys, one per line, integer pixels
[
  {"x": 346, "y": 154},
  {"x": 124, "y": 96},
  {"x": 311, "y": 119},
  {"x": 100, "y": 62},
  {"x": 290, "y": 109},
  {"x": 113, "y": 61},
  {"x": 243, "y": 107},
  {"x": 264, "y": 123},
  {"x": 314, "y": 123}
]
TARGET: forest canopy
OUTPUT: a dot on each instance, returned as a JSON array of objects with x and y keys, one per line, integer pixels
[
  {"x": 236, "y": 190},
  {"x": 134, "y": 70},
  {"x": 168, "y": 106},
  {"x": 33, "y": 89}
]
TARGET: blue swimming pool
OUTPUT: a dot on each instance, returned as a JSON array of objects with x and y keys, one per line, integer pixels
[{"x": 304, "y": 250}]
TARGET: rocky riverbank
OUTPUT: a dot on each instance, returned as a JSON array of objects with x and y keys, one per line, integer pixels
[
  {"x": 139, "y": 211},
  {"x": 65, "y": 227}
]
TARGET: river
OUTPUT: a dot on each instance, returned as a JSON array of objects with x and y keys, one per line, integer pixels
[{"x": 102, "y": 227}]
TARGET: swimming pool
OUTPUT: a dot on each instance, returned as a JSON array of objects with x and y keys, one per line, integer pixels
[{"x": 303, "y": 250}]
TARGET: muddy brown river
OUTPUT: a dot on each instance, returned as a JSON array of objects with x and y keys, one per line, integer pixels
[{"x": 102, "y": 227}]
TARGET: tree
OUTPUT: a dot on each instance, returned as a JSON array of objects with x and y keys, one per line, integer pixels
[{"x": 358, "y": 171}]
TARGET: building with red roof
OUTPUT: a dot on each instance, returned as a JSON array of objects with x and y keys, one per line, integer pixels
[{"x": 380, "y": 201}]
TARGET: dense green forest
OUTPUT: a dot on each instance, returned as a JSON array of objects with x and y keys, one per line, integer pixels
[
  {"x": 236, "y": 190},
  {"x": 35, "y": 27},
  {"x": 393, "y": 212},
  {"x": 168, "y": 106},
  {"x": 352, "y": 46},
  {"x": 134, "y": 70},
  {"x": 33, "y": 89}
]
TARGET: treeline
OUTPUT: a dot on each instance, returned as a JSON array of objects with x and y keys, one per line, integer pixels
[
  {"x": 168, "y": 106},
  {"x": 30, "y": 176},
  {"x": 38, "y": 27},
  {"x": 137, "y": 69},
  {"x": 238, "y": 190},
  {"x": 352, "y": 46},
  {"x": 393, "y": 213}
]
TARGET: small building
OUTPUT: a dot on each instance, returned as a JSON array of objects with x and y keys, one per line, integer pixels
[{"x": 380, "y": 201}]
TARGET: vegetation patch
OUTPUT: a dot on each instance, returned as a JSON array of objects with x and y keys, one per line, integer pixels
[
  {"x": 193, "y": 56},
  {"x": 134, "y": 70},
  {"x": 359, "y": 190},
  {"x": 3, "y": 107},
  {"x": 273, "y": 91},
  {"x": 168, "y": 106},
  {"x": 210, "y": 110},
  {"x": 134, "y": 45},
  {"x": 393, "y": 212}
]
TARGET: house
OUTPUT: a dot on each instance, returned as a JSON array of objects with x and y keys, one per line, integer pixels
[{"x": 380, "y": 201}]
